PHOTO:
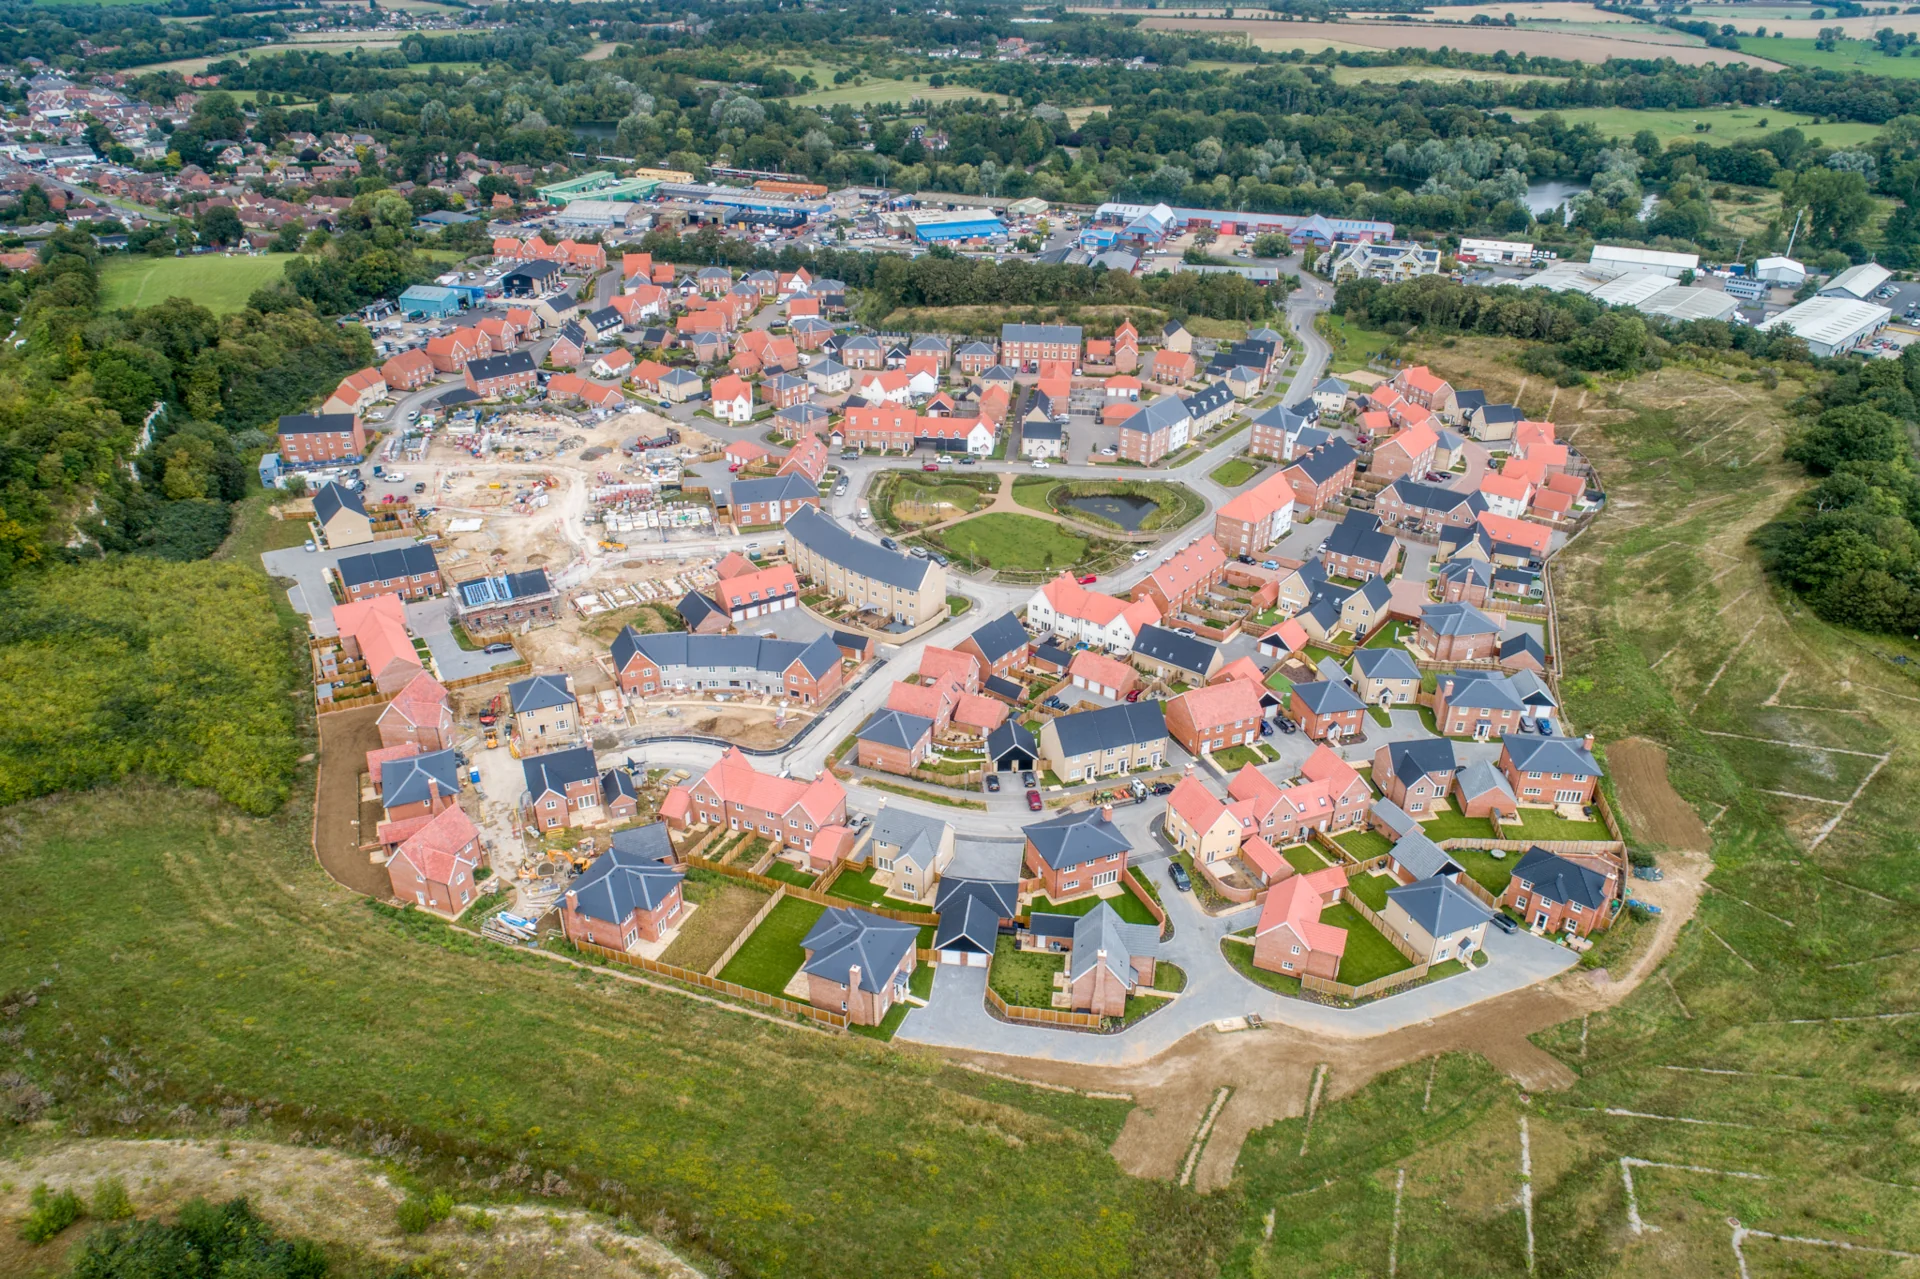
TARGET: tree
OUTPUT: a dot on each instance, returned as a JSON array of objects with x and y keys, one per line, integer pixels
[
  {"x": 220, "y": 225},
  {"x": 1836, "y": 201}
]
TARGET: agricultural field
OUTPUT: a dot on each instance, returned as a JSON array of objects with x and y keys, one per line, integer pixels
[
  {"x": 1728, "y": 125},
  {"x": 1849, "y": 55},
  {"x": 1632, "y": 41},
  {"x": 219, "y": 282}
]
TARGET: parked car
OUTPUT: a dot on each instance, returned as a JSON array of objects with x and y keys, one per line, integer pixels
[
  {"x": 937, "y": 558},
  {"x": 993, "y": 782},
  {"x": 420, "y": 486},
  {"x": 1272, "y": 564},
  {"x": 969, "y": 460},
  {"x": 1028, "y": 780},
  {"x": 1088, "y": 579},
  {"x": 1266, "y": 728},
  {"x": 918, "y": 552},
  {"x": 1133, "y": 695},
  {"x": 1039, "y": 463},
  {"x": 311, "y": 546},
  {"x": 1244, "y": 559},
  {"x": 1286, "y": 726},
  {"x": 1140, "y": 555},
  {"x": 1033, "y": 801},
  {"x": 1178, "y": 874},
  {"x": 1163, "y": 788},
  {"x": 1506, "y": 924},
  {"x": 498, "y": 648},
  {"x": 890, "y": 544},
  {"x": 929, "y": 466}
]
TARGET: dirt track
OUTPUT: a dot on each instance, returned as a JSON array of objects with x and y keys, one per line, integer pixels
[
  {"x": 345, "y": 739},
  {"x": 1655, "y": 814}
]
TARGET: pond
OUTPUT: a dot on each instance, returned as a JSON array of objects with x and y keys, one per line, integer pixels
[
  {"x": 1544, "y": 197},
  {"x": 1127, "y": 511}
]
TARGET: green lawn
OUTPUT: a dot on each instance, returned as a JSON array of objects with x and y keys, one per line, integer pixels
[
  {"x": 1380, "y": 716},
  {"x": 1364, "y": 843},
  {"x": 1737, "y": 123},
  {"x": 1031, "y": 491},
  {"x": 902, "y": 92},
  {"x": 214, "y": 280},
  {"x": 1849, "y": 55},
  {"x": 772, "y": 955},
  {"x": 1003, "y": 540},
  {"x": 1241, "y": 957},
  {"x": 1234, "y": 472},
  {"x": 1389, "y": 636},
  {"x": 858, "y": 886},
  {"x": 958, "y": 604},
  {"x": 1369, "y": 955},
  {"x": 1024, "y": 977},
  {"x": 1544, "y": 823},
  {"x": 1235, "y": 758},
  {"x": 1304, "y": 858},
  {"x": 788, "y": 873},
  {"x": 1490, "y": 872},
  {"x": 1128, "y": 906},
  {"x": 1371, "y": 889},
  {"x": 921, "y": 984},
  {"x": 1352, "y": 345},
  {"x": 1451, "y": 825}
]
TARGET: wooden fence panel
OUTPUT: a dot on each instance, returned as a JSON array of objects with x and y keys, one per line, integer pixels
[
  {"x": 512, "y": 670},
  {"x": 1041, "y": 1016},
  {"x": 812, "y": 895},
  {"x": 740, "y": 938},
  {"x": 1366, "y": 912},
  {"x": 760, "y": 998},
  {"x": 1378, "y": 986}
]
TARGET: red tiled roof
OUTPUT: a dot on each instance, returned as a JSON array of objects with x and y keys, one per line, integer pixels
[{"x": 447, "y": 841}]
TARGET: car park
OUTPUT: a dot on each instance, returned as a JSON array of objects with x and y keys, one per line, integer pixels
[{"x": 1033, "y": 801}]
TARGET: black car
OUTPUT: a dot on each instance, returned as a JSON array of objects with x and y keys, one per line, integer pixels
[
  {"x": 1178, "y": 874},
  {"x": 498, "y": 648},
  {"x": 993, "y": 782},
  {"x": 1028, "y": 780},
  {"x": 1163, "y": 788},
  {"x": 1505, "y": 924}
]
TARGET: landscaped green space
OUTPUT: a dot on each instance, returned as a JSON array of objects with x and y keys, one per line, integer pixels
[
  {"x": 1304, "y": 858},
  {"x": 1450, "y": 824},
  {"x": 1127, "y": 905},
  {"x": 772, "y": 955},
  {"x": 1003, "y": 540},
  {"x": 1234, "y": 472},
  {"x": 907, "y": 499},
  {"x": 958, "y": 604},
  {"x": 1369, "y": 955},
  {"x": 1489, "y": 871},
  {"x": 858, "y": 886},
  {"x": 1371, "y": 889},
  {"x": 1364, "y": 844},
  {"x": 1743, "y": 124},
  {"x": 1352, "y": 345},
  {"x": 788, "y": 873},
  {"x": 1544, "y": 823},
  {"x": 1241, "y": 957},
  {"x": 1235, "y": 758},
  {"x": 213, "y": 280},
  {"x": 1024, "y": 977}
]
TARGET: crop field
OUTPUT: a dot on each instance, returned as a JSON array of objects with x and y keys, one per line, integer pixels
[
  {"x": 1574, "y": 46},
  {"x": 1849, "y": 55},
  {"x": 1728, "y": 124},
  {"x": 214, "y": 280}
]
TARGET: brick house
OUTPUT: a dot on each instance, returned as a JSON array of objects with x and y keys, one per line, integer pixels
[
  {"x": 1457, "y": 633},
  {"x": 407, "y": 371},
  {"x": 1409, "y": 452},
  {"x": 1322, "y": 476},
  {"x": 623, "y": 901},
  {"x": 563, "y": 788},
  {"x": 1326, "y": 710},
  {"x": 895, "y": 741},
  {"x": 1103, "y": 743},
  {"x": 1107, "y": 958},
  {"x": 1204, "y": 720},
  {"x": 1000, "y": 645},
  {"x": 498, "y": 375},
  {"x": 1256, "y": 519},
  {"x": 1464, "y": 581},
  {"x": 1097, "y": 673},
  {"x": 450, "y": 352},
  {"x": 858, "y": 963},
  {"x": 736, "y": 795},
  {"x": 1550, "y": 770},
  {"x": 411, "y": 784},
  {"x": 1484, "y": 704},
  {"x": 320, "y": 439},
  {"x": 1421, "y": 386},
  {"x": 1154, "y": 430},
  {"x": 1075, "y": 853},
  {"x": 356, "y": 393},
  {"x": 1427, "y": 508},
  {"x": 1330, "y": 796},
  {"x": 1028, "y": 344},
  {"x": 1359, "y": 549},
  {"x": 374, "y": 631},
  {"x": 678, "y": 663},
  {"x": 1555, "y": 893},
  {"x": 433, "y": 868},
  {"x": 420, "y": 714},
  {"x": 411, "y": 572},
  {"x": 1416, "y": 774},
  {"x": 1289, "y": 937},
  {"x": 756, "y": 503},
  {"x": 1188, "y": 573},
  {"x": 909, "y": 852},
  {"x": 1171, "y": 368}
]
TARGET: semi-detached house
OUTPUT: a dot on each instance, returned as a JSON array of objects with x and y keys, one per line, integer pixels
[
  {"x": 1072, "y": 612},
  {"x": 1115, "y": 739}
]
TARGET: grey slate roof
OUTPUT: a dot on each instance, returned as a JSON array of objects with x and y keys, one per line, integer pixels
[
  {"x": 970, "y": 913},
  {"x": 315, "y": 423},
  {"x": 773, "y": 488},
  {"x": 1393, "y": 817},
  {"x": 1330, "y": 386},
  {"x": 895, "y": 728},
  {"x": 1210, "y": 400},
  {"x": 1111, "y": 727},
  {"x": 1075, "y": 838},
  {"x": 1042, "y": 429},
  {"x": 1102, "y": 931},
  {"x": 1359, "y": 535},
  {"x": 617, "y": 783},
  {"x": 1469, "y": 400},
  {"x": 843, "y": 938},
  {"x": 618, "y": 883},
  {"x": 1436, "y": 497},
  {"x": 1523, "y": 644},
  {"x": 410, "y": 780},
  {"x": 678, "y": 377},
  {"x": 1440, "y": 906},
  {"x": 556, "y": 769},
  {"x": 1162, "y": 414},
  {"x": 1482, "y": 690},
  {"x": 1482, "y": 778},
  {"x": 1176, "y": 648},
  {"x": 1457, "y": 619},
  {"x": 694, "y": 609},
  {"x": 1328, "y": 460},
  {"x": 914, "y": 834},
  {"x": 756, "y": 652},
  {"x": 976, "y": 349},
  {"x": 1328, "y": 697},
  {"x": 1012, "y": 737},
  {"x": 383, "y": 566},
  {"x": 1376, "y": 592},
  {"x": 649, "y": 842},
  {"x": 606, "y": 318},
  {"x": 1471, "y": 572},
  {"x": 538, "y": 693},
  {"x": 493, "y": 366},
  {"x": 819, "y": 534},
  {"x": 1551, "y": 755},
  {"x": 1420, "y": 757},
  {"x": 1003, "y": 635},
  {"x": 334, "y": 498},
  {"x": 571, "y": 332},
  {"x": 1422, "y": 857},
  {"x": 1496, "y": 413},
  {"x": 1385, "y": 663},
  {"x": 1556, "y": 879},
  {"x": 1068, "y": 334}
]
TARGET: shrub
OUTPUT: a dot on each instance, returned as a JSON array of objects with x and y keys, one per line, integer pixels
[
  {"x": 110, "y": 1201},
  {"x": 49, "y": 1212},
  {"x": 419, "y": 1213}
]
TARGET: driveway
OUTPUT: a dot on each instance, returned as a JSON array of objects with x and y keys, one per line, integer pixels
[
  {"x": 956, "y": 1015},
  {"x": 310, "y": 595},
  {"x": 432, "y": 621}
]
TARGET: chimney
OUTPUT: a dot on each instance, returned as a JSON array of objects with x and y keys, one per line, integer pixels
[
  {"x": 1106, "y": 812},
  {"x": 1587, "y": 741},
  {"x": 853, "y": 977},
  {"x": 573, "y": 900}
]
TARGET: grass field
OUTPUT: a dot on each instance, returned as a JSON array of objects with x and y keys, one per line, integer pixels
[
  {"x": 1369, "y": 955},
  {"x": 900, "y": 91},
  {"x": 858, "y": 886},
  {"x": 1730, "y": 124},
  {"x": 1234, "y": 472},
  {"x": 215, "y": 281},
  {"x": 1849, "y": 55},
  {"x": 1352, "y": 345},
  {"x": 1002, "y": 540}
]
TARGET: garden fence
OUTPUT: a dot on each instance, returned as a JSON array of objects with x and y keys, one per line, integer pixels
[
  {"x": 740, "y": 938},
  {"x": 1041, "y": 1016},
  {"x": 814, "y": 895},
  {"x": 759, "y": 998}
]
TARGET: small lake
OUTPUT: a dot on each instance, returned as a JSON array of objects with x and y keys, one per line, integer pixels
[
  {"x": 1127, "y": 511},
  {"x": 1545, "y": 197}
]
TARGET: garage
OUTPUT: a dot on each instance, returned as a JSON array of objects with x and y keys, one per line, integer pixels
[
  {"x": 972, "y": 914},
  {"x": 963, "y": 958}
]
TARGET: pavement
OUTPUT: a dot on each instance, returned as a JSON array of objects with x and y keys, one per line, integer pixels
[{"x": 432, "y": 621}]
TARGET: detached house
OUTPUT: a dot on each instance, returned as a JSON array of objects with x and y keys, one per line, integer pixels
[
  {"x": 1384, "y": 676},
  {"x": 624, "y": 900},
  {"x": 1417, "y": 774},
  {"x": 1457, "y": 633},
  {"x": 434, "y": 867},
  {"x": 858, "y": 963},
  {"x": 1358, "y": 548},
  {"x": 1075, "y": 853},
  {"x": 1562, "y": 894},
  {"x": 1107, "y": 958},
  {"x": 1439, "y": 919},
  {"x": 1323, "y": 475},
  {"x": 420, "y": 714},
  {"x": 1550, "y": 770},
  {"x": 909, "y": 852},
  {"x": 544, "y": 712},
  {"x": 1000, "y": 645},
  {"x": 1326, "y": 710},
  {"x": 563, "y": 788},
  {"x": 1204, "y": 720},
  {"x": 1289, "y": 937}
]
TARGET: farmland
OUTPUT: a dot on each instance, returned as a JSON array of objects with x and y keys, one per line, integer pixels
[
  {"x": 216, "y": 281},
  {"x": 1725, "y": 125}
]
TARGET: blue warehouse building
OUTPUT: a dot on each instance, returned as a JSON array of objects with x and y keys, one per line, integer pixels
[
  {"x": 430, "y": 300},
  {"x": 980, "y": 226}
]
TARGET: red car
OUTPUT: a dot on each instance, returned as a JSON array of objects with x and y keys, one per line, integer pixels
[
  {"x": 1088, "y": 579},
  {"x": 1133, "y": 695},
  {"x": 929, "y": 466},
  {"x": 1033, "y": 801}
]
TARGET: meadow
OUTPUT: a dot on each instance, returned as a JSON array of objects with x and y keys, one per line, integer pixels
[
  {"x": 1729, "y": 124},
  {"x": 219, "y": 282},
  {"x": 874, "y": 91},
  {"x": 1848, "y": 55}
]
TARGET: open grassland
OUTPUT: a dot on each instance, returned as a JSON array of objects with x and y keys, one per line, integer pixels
[
  {"x": 869, "y": 92},
  {"x": 1003, "y": 540},
  {"x": 1733, "y": 124},
  {"x": 1634, "y": 41},
  {"x": 214, "y": 280},
  {"x": 1848, "y": 55},
  {"x": 1764, "y": 1074}
]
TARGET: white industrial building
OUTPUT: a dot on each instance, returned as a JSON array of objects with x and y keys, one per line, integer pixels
[
  {"x": 1680, "y": 302},
  {"x": 1623, "y": 258},
  {"x": 1780, "y": 271},
  {"x": 1648, "y": 292},
  {"x": 1631, "y": 290},
  {"x": 1830, "y": 325},
  {"x": 605, "y": 213},
  {"x": 1857, "y": 282},
  {"x": 1507, "y": 252}
]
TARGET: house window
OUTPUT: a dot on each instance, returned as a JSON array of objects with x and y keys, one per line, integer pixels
[
  {"x": 1288, "y": 964},
  {"x": 550, "y": 803},
  {"x": 1072, "y": 883},
  {"x": 1296, "y": 950}
]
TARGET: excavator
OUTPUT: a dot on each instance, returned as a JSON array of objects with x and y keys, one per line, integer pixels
[{"x": 490, "y": 719}]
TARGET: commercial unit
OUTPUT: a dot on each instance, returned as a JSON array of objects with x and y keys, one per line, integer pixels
[
  {"x": 1830, "y": 325},
  {"x": 1151, "y": 224},
  {"x": 1626, "y": 258},
  {"x": 429, "y": 301}
]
